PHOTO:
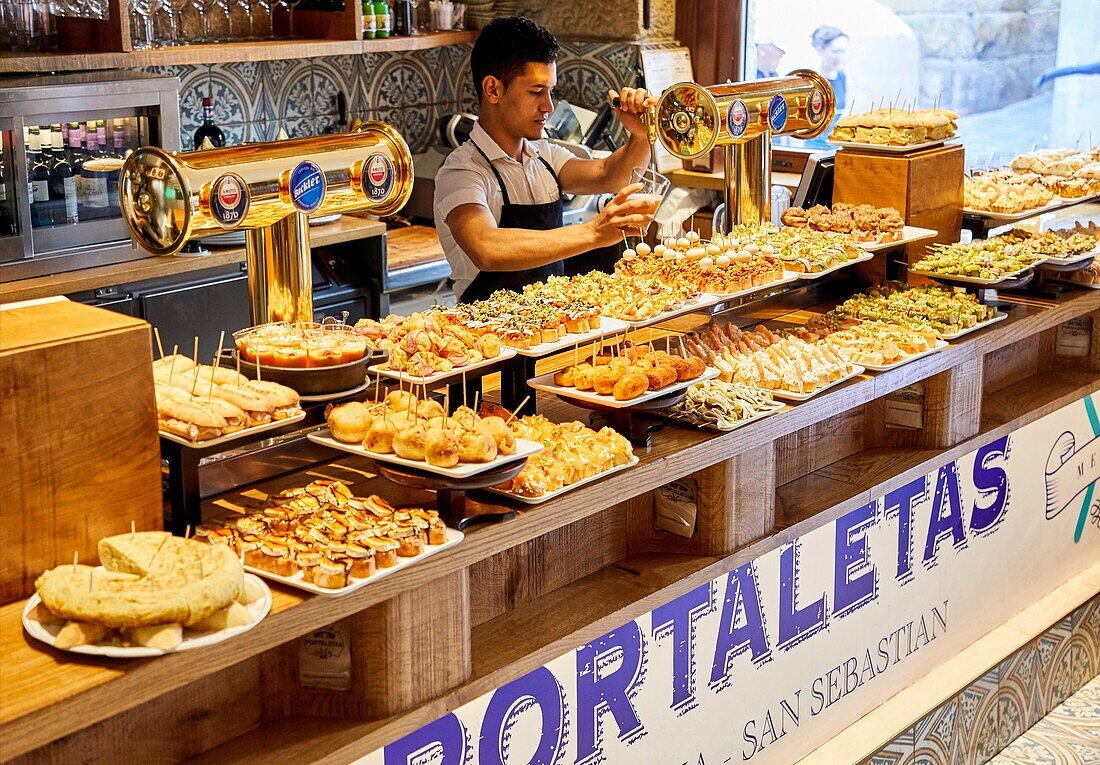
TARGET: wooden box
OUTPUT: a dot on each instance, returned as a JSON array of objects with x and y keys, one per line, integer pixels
[
  {"x": 926, "y": 187},
  {"x": 79, "y": 451}
]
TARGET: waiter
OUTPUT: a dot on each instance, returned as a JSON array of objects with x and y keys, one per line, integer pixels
[{"x": 498, "y": 197}]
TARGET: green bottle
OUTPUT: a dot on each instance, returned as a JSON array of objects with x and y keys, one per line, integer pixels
[
  {"x": 381, "y": 18},
  {"x": 369, "y": 23}
]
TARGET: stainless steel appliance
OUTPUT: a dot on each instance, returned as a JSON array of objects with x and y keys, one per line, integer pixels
[{"x": 100, "y": 116}]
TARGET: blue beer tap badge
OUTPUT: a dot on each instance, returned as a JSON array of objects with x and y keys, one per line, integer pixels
[
  {"x": 229, "y": 200},
  {"x": 737, "y": 118},
  {"x": 777, "y": 113},
  {"x": 378, "y": 177},
  {"x": 307, "y": 187}
]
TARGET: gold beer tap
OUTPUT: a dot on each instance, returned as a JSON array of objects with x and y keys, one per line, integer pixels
[
  {"x": 269, "y": 190},
  {"x": 742, "y": 117}
]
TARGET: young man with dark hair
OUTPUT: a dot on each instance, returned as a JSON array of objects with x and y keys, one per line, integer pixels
[{"x": 498, "y": 197}]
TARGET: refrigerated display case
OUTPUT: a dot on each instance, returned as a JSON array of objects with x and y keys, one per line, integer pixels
[{"x": 62, "y": 141}]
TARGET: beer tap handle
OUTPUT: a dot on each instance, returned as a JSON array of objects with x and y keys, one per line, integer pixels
[{"x": 649, "y": 119}]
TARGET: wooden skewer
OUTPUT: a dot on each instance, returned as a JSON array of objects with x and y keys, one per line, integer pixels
[
  {"x": 133, "y": 528},
  {"x": 513, "y": 414},
  {"x": 463, "y": 387},
  {"x": 476, "y": 394},
  {"x": 195, "y": 381},
  {"x": 187, "y": 532},
  {"x": 75, "y": 556},
  {"x": 217, "y": 364},
  {"x": 156, "y": 334},
  {"x": 259, "y": 373},
  {"x": 238, "y": 357},
  {"x": 172, "y": 366}
]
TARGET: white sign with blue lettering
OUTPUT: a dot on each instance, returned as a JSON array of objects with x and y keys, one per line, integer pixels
[{"x": 765, "y": 663}]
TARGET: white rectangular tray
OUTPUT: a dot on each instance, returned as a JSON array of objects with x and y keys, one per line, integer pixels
[
  {"x": 973, "y": 279},
  {"x": 1053, "y": 204},
  {"x": 884, "y": 148},
  {"x": 909, "y": 235},
  {"x": 379, "y": 369},
  {"x": 1056, "y": 261},
  {"x": 775, "y": 409},
  {"x": 791, "y": 396},
  {"x": 453, "y": 538},
  {"x": 608, "y": 326},
  {"x": 564, "y": 489},
  {"x": 939, "y": 346},
  {"x": 788, "y": 277},
  {"x": 1000, "y": 316},
  {"x": 818, "y": 274},
  {"x": 273, "y": 425},
  {"x": 546, "y": 383},
  {"x": 699, "y": 302},
  {"x": 523, "y": 450},
  {"x": 257, "y": 609}
]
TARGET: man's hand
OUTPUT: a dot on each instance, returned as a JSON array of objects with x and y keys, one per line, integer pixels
[
  {"x": 632, "y": 105},
  {"x": 623, "y": 214}
]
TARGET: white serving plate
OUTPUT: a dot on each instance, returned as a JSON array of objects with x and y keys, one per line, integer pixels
[
  {"x": 939, "y": 346},
  {"x": 273, "y": 425},
  {"x": 453, "y": 538},
  {"x": 777, "y": 407},
  {"x": 524, "y": 449},
  {"x": 818, "y": 274},
  {"x": 546, "y": 383},
  {"x": 321, "y": 220},
  {"x": 881, "y": 148},
  {"x": 909, "y": 235},
  {"x": 608, "y": 326},
  {"x": 699, "y": 302},
  {"x": 1000, "y": 316},
  {"x": 791, "y": 396},
  {"x": 788, "y": 277},
  {"x": 1053, "y": 204},
  {"x": 975, "y": 280},
  {"x": 191, "y": 639},
  {"x": 380, "y": 369},
  {"x": 1056, "y": 261},
  {"x": 565, "y": 489}
]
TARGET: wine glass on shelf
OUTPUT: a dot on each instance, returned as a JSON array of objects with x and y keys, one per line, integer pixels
[
  {"x": 266, "y": 9},
  {"x": 241, "y": 11},
  {"x": 290, "y": 5},
  {"x": 141, "y": 23}
]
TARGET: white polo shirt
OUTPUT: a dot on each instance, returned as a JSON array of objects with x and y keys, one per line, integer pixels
[{"x": 466, "y": 178}]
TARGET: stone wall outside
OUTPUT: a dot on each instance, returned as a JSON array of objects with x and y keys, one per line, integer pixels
[{"x": 978, "y": 55}]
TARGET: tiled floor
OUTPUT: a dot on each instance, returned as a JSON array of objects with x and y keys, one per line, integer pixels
[{"x": 1068, "y": 735}]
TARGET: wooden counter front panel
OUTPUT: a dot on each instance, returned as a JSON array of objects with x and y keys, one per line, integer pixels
[{"x": 79, "y": 452}]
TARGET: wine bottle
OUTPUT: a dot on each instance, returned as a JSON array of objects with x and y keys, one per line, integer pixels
[
  {"x": 208, "y": 130},
  {"x": 38, "y": 187},
  {"x": 63, "y": 183}
]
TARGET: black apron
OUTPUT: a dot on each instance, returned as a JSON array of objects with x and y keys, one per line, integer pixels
[{"x": 539, "y": 217}]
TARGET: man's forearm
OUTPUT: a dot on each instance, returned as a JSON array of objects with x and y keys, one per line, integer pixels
[
  {"x": 513, "y": 249},
  {"x": 632, "y": 154}
]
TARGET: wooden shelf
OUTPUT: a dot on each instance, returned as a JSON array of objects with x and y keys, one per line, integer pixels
[
  {"x": 48, "y": 695},
  {"x": 222, "y": 53}
]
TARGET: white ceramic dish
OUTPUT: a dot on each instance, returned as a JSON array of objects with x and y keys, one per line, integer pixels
[
  {"x": 909, "y": 235},
  {"x": 975, "y": 280},
  {"x": 699, "y": 302},
  {"x": 788, "y": 277},
  {"x": 791, "y": 396},
  {"x": 880, "y": 148},
  {"x": 379, "y": 369},
  {"x": 608, "y": 327},
  {"x": 1053, "y": 204},
  {"x": 939, "y": 346},
  {"x": 818, "y": 274},
  {"x": 273, "y": 425},
  {"x": 980, "y": 325},
  {"x": 546, "y": 383},
  {"x": 524, "y": 449},
  {"x": 453, "y": 538},
  {"x": 1072, "y": 259},
  {"x": 257, "y": 609},
  {"x": 565, "y": 489},
  {"x": 777, "y": 407}
]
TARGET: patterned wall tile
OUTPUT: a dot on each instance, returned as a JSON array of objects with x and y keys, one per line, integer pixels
[
  {"x": 934, "y": 735},
  {"x": 291, "y": 86},
  {"x": 416, "y": 125},
  {"x": 1086, "y": 640},
  {"x": 1055, "y": 664},
  {"x": 245, "y": 80},
  {"x": 401, "y": 82},
  {"x": 977, "y": 725},
  {"x": 1016, "y": 687},
  {"x": 435, "y": 61},
  {"x": 337, "y": 74},
  {"x": 235, "y": 133}
]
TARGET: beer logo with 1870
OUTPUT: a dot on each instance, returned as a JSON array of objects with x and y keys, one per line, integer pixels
[
  {"x": 229, "y": 200},
  {"x": 378, "y": 177},
  {"x": 737, "y": 118},
  {"x": 815, "y": 107},
  {"x": 307, "y": 186}
]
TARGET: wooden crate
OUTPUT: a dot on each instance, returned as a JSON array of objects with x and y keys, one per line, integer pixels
[
  {"x": 79, "y": 452},
  {"x": 926, "y": 187}
]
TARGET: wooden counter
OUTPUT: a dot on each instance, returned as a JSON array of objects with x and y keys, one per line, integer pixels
[
  {"x": 820, "y": 458},
  {"x": 347, "y": 228}
]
